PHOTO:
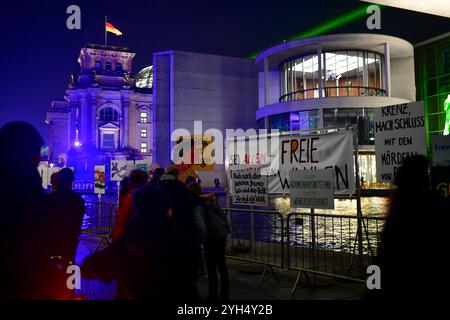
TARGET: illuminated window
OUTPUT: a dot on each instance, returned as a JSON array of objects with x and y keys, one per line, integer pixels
[
  {"x": 144, "y": 117},
  {"x": 343, "y": 73},
  {"x": 143, "y": 133},
  {"x": 143, "y": 147},
  {"x": 98, "y": 65}
]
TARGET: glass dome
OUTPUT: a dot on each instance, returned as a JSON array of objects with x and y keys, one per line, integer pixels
[{"x": 144, "y": 79}]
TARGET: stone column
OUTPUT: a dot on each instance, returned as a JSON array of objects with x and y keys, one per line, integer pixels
[
  {"x": 125, "y": 129},
  {"x": 72, "y": 106},
  {"x": 83, "y": 118},
  {"x": 93, "y": 119},
  {"x": 387, "y": 69}
]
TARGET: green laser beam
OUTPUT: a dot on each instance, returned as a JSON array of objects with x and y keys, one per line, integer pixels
[{"x": 329, "y": 25}]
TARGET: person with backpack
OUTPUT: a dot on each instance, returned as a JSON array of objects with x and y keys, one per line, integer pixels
[{"x": 218, "y": 228}]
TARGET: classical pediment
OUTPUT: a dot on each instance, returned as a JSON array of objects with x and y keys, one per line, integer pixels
[{"x": 109, "y": 125}]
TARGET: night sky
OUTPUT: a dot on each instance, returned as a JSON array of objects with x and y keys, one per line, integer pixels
[{"x": 39, "y": 53}]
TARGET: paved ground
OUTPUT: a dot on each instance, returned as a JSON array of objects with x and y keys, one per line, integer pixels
[{"x": 243, "y": 286}]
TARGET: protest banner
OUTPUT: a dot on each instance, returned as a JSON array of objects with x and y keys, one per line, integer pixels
[
  {"x": 399, "y": 133},
  {"x": 144, "y": 165},
  {"x": 118, "y": 170},
  {"x": 249, "y": 187},
  {"x": 311, "y": 189},
  {"x": 441, "y": 150},
  {"x": 99, "y": 180}
]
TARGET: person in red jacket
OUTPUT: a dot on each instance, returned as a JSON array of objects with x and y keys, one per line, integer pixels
[{"x": 137, "y": 179}]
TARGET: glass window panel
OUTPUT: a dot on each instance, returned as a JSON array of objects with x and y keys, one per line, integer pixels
[
  {"x": 295, "y": 121},
  {"x": 344, "y": 73},
  {"x": 432, "y": 87}
]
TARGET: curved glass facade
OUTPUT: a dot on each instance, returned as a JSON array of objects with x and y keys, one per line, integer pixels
[
  {"x": 332, "y": 118},
  {"x": 341, "y": 73}
]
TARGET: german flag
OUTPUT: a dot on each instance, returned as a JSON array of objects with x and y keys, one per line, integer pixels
[{"x": 112, "y": 29}]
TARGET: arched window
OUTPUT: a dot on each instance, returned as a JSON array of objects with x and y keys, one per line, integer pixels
[
  {"x": 109, "y": 114},
  {"x": 108, "y": 66},
  {"x": 118, "y": 66},
  {"x": 98, "y": 65}
]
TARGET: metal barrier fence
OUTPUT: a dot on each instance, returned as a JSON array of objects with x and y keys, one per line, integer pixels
[
  {"x": 99, "y": 221},
  {"x": 256, "y": 236},
  {"x": 331, "y": 245},
  {"x": 325, "y": 244},
  {"x": 338, "y": 246}
]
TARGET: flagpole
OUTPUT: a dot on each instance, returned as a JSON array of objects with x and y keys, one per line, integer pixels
[{"x": 106, "y": 32}]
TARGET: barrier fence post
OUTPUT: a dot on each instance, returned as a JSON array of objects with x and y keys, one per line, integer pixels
[
  {"x": 358, "y": 200},
  {"x": 252, "y": 235},
  {"x": 99, "y": 210},
  {"x": 313, "y": 243}
]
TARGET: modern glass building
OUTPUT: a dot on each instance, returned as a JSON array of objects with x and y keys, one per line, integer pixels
[
  {"x": 432, "y": 59},
  {"x": 333, "y": 81}
]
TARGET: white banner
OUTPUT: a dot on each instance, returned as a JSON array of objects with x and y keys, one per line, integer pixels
[
  {"x": 118, "y": 170},
  {"x": 310, "y": 152},
  {"x": 311, "y": 189},
  {"x": 399, "y": 133},
  {"x": 249, "y": 187}
]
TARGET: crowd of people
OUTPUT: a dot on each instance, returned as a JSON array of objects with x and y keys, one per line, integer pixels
[
  {"x": 39, "y": 230},
  {"x": 163, "y": 228}
]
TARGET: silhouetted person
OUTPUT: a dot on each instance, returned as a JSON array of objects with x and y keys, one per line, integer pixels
[
  {"x": 156, "y": 176},
  {"x": 363, "y": 186},
  {"x": 185, "y": 234},
  {"x": 200, "y": 223},
  {"x": 66, "y": 210},
  {"x": 414, "y": 240},
  {"x": 24, "y": 236},
  {"x": 124, "y": 188},
  {"x": 218, "y": 229},
  {"x": 136, "y": 180},
  {"x": 189, "y": 180},
  {"x": 54, "y": 180},
  {"x": 142, "y": 257}
]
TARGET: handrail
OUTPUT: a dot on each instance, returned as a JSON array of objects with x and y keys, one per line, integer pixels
[
  {"x": 303, "y": 213},
  {"x": 282, "y": 98}
]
